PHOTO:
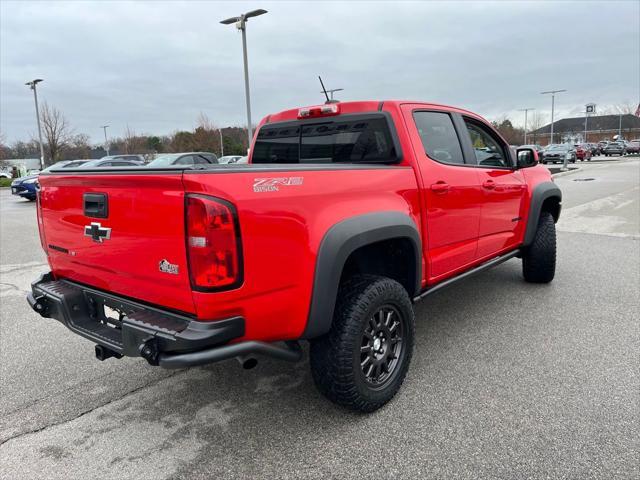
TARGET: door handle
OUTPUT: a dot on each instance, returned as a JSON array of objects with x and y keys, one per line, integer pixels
[
  {"x": 489, "y": 185},
  {"x": 440, "y": 187}
]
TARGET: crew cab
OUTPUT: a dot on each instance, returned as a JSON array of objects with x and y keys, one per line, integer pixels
[{"x": 346, "y": 215}]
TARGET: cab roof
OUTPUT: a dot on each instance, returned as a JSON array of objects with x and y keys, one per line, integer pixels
[{"x": 359, "y": 107}]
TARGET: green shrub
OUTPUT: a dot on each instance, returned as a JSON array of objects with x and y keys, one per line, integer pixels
[{"x": 5, "y": 182}]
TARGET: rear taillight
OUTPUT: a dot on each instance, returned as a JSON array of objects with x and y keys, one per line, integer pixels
[{"x": 213, "y": 243}]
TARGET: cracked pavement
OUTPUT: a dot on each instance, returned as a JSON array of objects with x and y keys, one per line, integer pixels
[{"x": 508, "y": 380}]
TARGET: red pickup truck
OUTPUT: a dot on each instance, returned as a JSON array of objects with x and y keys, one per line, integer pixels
[{"x": 346, "y": 214}]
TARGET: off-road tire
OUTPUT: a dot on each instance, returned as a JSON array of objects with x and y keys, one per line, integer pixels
[
  {"x": 539, "y": 258},
  {"x": 335, "y": 357}
]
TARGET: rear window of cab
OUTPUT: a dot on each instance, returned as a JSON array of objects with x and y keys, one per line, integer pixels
[{"x": 341, "y": 139}]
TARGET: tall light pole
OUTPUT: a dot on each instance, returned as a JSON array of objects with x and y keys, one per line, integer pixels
[
  {"x": 525, "y": 110},
  {"x": 32, "y": 84},
  {"x": 331, "y": 92},
  {"x": 589, "y": 108},
  {"x": 553, "y": 100},
  {"x": 241, "y": 24},
  {"x": 222, "y": 143},
  {"x": 106, "y": 144},
  {"x": 620, "y": 127}
]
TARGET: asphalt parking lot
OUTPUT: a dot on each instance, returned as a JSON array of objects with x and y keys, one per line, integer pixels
[{"x": 508, "y": 380}]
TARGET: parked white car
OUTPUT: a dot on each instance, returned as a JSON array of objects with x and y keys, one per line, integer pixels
[{"x": 229, "y": 159}]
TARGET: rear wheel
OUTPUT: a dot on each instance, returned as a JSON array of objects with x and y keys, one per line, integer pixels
[
  {"x": 361, "y": 363},
  {"x": 539, "y": 258}
]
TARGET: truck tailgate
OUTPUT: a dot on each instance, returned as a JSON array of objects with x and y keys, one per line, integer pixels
[{"x": 142, "y": 256}]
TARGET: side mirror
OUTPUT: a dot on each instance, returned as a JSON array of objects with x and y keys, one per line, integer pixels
[{"x": 527, "y": 157}]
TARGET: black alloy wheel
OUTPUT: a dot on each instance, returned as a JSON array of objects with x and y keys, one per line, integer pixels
[{"x": 381, "y": 346}]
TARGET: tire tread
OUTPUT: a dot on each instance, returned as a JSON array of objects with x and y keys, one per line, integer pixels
[{"x": 331, "y": 356}]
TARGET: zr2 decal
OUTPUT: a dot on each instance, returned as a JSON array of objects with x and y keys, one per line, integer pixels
[{"x": 274, "y": 184}]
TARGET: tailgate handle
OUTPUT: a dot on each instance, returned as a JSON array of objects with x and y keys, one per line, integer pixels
[{"x": 96, "y": 205}]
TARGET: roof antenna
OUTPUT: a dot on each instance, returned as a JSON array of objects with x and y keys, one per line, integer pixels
[{"x": 324, "y": 90}]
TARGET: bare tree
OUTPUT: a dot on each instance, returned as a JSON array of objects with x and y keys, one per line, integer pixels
[
  {"x": 3, "y": 148},
  {"x": 134, "y": 143},
  {"x": 206, "y": 136},
  {"x": 624, "y": 108},
  {"x": 205, "y": 123},
  {"x": 5, "y": 153},
  {"x": 56, "y": 129},
  {"x": 536, "y": 121},
  {"x": 77, "y": 147}
]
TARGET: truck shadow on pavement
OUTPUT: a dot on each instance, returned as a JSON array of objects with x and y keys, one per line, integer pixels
[
  {"x": 222, "y": 420},
  {"x": 249, "y": 418}
]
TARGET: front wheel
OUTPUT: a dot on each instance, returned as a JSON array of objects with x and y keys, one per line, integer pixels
[
  {"x": 361, "y": 363},
  {"x": 539, "y": 258}
]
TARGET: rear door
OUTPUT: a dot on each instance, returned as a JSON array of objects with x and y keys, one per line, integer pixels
[
  {"x": 451, "y": 192},
  {"x": 112, "y": 230},
  {"x": 503, "y": 190}
]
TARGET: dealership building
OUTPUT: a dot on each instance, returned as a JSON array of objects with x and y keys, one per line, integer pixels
[{"x": 599, "y": 127}]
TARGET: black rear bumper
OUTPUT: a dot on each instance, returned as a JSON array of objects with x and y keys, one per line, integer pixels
[
  {"x": 163, "y": 338},
  {"x": 139, "y": 330}
]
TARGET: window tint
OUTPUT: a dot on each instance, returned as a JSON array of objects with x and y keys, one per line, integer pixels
[
  {"x": 122, "y": 164},
  {"x": 357, "y": 141},
  {"x": 489, "y": 152},
  {"x": 277, "y": 145},
  {"x": 363, "y": 140},
  {"x": 439, "y": 137}
]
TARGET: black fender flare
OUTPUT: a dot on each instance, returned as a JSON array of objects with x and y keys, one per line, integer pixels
[
  {"x": 340, "y": 241},
  {"x": 540, "y": 193}
]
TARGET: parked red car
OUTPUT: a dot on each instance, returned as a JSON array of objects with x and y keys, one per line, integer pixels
[
  {"x": 347, "y": 214},
  {"x": 633, "y": 147},
  {"x": 583, "y": 152}
]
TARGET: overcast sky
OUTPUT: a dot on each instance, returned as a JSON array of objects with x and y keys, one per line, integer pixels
[{"x": 155, "y": 65}]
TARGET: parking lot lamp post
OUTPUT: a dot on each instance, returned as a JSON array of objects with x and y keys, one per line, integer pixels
[
  {"x": 32, "y": 84},
  {"x": 620, "y": 127},
  {"x": 586, "y": 121},
  {"x": 332, "y": 91},
  {"x": 106, "y": 144},
  {"x": 221, "y": 143},
  {"x": 553, "y": 102},
  {"x": 241, "y": 24},
  {"x": 525, "y": 110}
]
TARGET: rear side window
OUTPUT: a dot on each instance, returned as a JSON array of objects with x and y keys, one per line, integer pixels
[
  {"x": 366, "y": 139},
  {"x": 439, "y": 137}
]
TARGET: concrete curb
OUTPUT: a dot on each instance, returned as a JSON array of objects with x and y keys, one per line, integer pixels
[{"x": 562, "y": 174}]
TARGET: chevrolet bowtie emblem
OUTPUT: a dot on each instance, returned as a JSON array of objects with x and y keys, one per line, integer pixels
[{"x": 97, "y": 232}]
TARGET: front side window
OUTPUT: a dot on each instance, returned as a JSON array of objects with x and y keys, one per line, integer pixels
[
  {"x": 439, "y": 137},
  {"x": 488, "y": 151},
  {"x": 366, "y": 139}
]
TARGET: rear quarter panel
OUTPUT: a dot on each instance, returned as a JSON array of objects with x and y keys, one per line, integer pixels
[{"x": 282, "y": 230}]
